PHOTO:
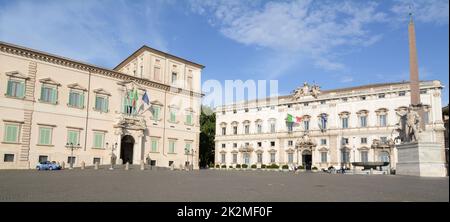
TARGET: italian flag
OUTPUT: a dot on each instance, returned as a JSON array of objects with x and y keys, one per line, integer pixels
[{"x": 291, "y": 119}]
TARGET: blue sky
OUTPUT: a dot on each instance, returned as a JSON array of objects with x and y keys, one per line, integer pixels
[{"x": 334, "y": 43}]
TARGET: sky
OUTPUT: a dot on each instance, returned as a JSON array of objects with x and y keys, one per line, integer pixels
[{"x": 335, "y": 44}]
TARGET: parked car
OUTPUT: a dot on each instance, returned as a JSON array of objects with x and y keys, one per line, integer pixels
[{"x": 47, "y": 165}]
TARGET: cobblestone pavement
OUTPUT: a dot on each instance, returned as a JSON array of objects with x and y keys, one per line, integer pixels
[{"x": 214, "y": 185}]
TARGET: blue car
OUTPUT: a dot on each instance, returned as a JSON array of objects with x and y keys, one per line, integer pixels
[{"x": 47, "y": 165}]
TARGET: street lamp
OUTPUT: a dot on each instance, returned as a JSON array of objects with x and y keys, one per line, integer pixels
[
  {"x": 186, "y": 151},
  {"x": 72, "y": 146},
  {"x": 113, "y": 156}
]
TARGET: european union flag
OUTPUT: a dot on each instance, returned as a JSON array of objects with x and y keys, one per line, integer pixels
[{"x": 145, "y": 98}]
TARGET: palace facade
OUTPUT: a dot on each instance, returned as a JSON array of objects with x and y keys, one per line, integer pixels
[
  {"x": 322, "y": 129},
  {"x": 58, "y": 109}
]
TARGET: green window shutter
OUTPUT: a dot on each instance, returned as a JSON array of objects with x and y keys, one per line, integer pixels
[
  {"x": 172, "y": 116},
  {"x": 9, "y": 88},
  {"x": 81, "y": 104},
  {"x": 171, "y": 147},
  {"x": 21, "y": 90},
  {"x": 11, "y": 133},
  {"x": 42, "y": 93},
  {"x": 53, "y": 94},
  {"x": 105, "y": 105},
  {"x": 154, "y": 146},
  {"x": 73, "y": 137},
  {"x": 157, "y": 109},
  {"x": 189, "y": 118},
  {"x": 44, "y": 136},
  {"x": 71, "y": 98},
  {"x": 98, "y": 140}
]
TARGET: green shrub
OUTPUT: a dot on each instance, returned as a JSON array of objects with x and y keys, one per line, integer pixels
[
  {"x": 244, "y": 165},
  {"x": 224, "y": 166},
  {"x": 314, "y": 168},
  {"x": 211, "y": 165},
  {"x": 217, "y": 166},
  {"x": 285, "y": 167},
  {"x": 230, "y": 166},
  {"x": 263, "y": 166},
  {"x": 273, "y": 166},
  {"x": 253, "y": 166},
  {"x": 238, "y": 165},
  {"x": 301, "y": 167}
]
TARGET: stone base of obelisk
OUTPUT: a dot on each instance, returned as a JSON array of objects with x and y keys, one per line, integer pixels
[{"x": 420, "y": 159}]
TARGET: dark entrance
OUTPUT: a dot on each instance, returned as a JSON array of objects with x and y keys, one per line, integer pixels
[
  {"x": 126, "y": 149},
  {"x": 307, "y": 159}
]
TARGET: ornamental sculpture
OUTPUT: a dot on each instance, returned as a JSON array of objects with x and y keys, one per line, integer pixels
[
  {"x": 306, "y": 90},
  {"x": 408, "y": 126},
  {"x": 305, "y": 142},
  {"x": 380, "y": 144}
]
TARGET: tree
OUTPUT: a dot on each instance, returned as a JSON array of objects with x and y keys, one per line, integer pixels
[{"x": 207, "y": 136}]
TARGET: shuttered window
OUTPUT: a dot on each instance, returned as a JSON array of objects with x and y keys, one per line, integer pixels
[
  {"x": 101, "y": 103},
  {"x": 11, "y": 133},
  {"x": 171, "y": 146},
  {"x": 76, "y": 99},
  {"x": 154, "y": 145},
  {"x": 73, "y": 137},
  {"x": 16, "y": 88},
  {"x": 45, "y": 135},
  {"x": 99, "y": 139},
  {"x": 48, "y": 94}
]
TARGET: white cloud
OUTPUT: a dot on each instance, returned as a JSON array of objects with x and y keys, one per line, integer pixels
[
  {"x": 427, "y": 11},
  {"x": 309, "y": 28},
  {"x": 346, "y": 79},
  {"x": 93, "y": 31}
]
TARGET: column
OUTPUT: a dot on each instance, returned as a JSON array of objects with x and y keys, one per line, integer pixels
[
  {"x": 119, "y": 144},
  {"x": 137, "y": 148}
]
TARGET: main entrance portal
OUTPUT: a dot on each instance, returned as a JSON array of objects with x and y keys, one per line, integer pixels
[
  {"x": 307, "y": 159},
  {"x": 126, "y": 149}
]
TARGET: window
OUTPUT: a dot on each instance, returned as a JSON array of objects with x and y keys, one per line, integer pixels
[
  {"x": 224, "y": 131},
  {"x": 259, "y": 144},
  {"x": 323, "y": 102},
  {"x": 259, "y": 128},
  {"x": 76, "y": 99},
  {"x": 101, "y": 103},
  {"x": 155, "y": 110},
  {"x": 345, "y": 156},
  {"x": 234, "y": 157},
  {"x": 16, "y": 88},
  {"x": 71, "y": 159},
  {"x": 363, "y": 121},
  {"x": 246, "y": 110},
  {"x": 234, "y": 145},
  {"x": 290, "y": 126},
  {"x": 344, "y": 122},
  {"x": 223, "y": 158},
  {"x": 323, "y": 121},
  {"x": 223, "y": 145},
  {"x": 383, "y": 139},
  {"x": 189, "y": 118},
  {"x": 272, "y": 157},
  {"x": 11, "y": 133},
  {"x": 170, "y": 162},
  {"x": 426, "y": 117},
  {"x": 42, "y": 158},
  {"x": 364, "y": 140},
  {"x": 48, "y": 94},
  {"x": 323, "y": 141},
  {"x": 290, "y": 157},
  {"x": 381, "y": 95},
  {"x": 289, "y": 106},
  {"x": 173, "y": 115},
  {"x": 401, "y": 93},
  {"x": 344, "y": 141},
  {"x": 423, "y": 91},
  {"x": 223, "y": 112},
  {"x": 305, "y": 104},
  {"x": 174, "y": 78},
  {"x": 171, "y": 146},
  {"x": 189, "y": 82},
  {"x": 259, "y": 109},
  {"x": 272, "y": 127},
  {"x": 323, "y": 157},
  {"x": 8, "y": 157},
  {"x": 247, "y": 129},
  {"x": 306, "y": 125},
  {"x": 259, "y": 157},
  {"x": 364, "y": 156},
  {"x": 99, "y": 139},
  {"x": 290, "y": 143},
  {"x": 363, "y": 98},
  {"x": 157, "y": 73},
  {"x": 45, "y": 135},
  {"x": 154, "y": 145},
  {"x": 73, "y": 137},
  {"x": 344, "y": 99},
  {"x": 272, "y": 107},
  {"x": 272, "y": 143},
  {"x": 382, "y": 119},
  {"x": 234, "y": 111},
  {"x": 96, "y": 160},
  {"x": 187, "y": 148},
  {"x": 235, "y": 130}
]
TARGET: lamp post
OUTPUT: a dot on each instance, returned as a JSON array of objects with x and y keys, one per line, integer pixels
[
  {"x": 354, "y": 154},
  {"x": 113, "y": 157},
  {"x": 186, "y": 151},
  {"x": 72, "y": 146}
]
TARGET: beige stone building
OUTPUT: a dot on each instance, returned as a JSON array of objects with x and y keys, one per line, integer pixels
[
  {"x": 58, "y": 109},
  {"x": 340, "y": 126}
]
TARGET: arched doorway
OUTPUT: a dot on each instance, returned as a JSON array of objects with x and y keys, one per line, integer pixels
[
  {"x": 384, "y": 157},
  {"x": 126, "y": 149},
  {"x": 307, "y": 159}
]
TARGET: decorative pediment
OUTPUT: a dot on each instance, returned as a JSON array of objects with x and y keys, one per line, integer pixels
[
  {"x": 363, "y": 148},
  {"x": 345, "y": 148},
  {"x": 223, "y": 152},
  {"x": 17, "y": 74},
  {"x": 272, "y": 151},
  {"x": 49, "y": 81},
  {"x": 102, "y": 91},
  {"x": 131, "y": 123},
  {"x": 156, "y": 103},
  {"x": 130, "y": 84},
  {"x": 223, "y": 124},
  {"x": 290, "y": 150},
  {"x": 173, "y": 106},
  {"x": 76, "y": 86},
  {"x": 189, "y": 109},
  {"x": 234, "y": 151},
  {"x": 323, "y": 149},
  {"x": 259, "y": 151}
]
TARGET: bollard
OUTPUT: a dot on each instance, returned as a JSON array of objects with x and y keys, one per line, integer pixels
[
  {"x": 96, "y": 166},
  {"x": 63, "y": 165},
  {"x": 120, "y": 162},
  {"x": 371, "y": 171},
  {"x": 142, "y": 165},
  {"x": 127, "y": 166},
  {"x": 82, "y": 165}
]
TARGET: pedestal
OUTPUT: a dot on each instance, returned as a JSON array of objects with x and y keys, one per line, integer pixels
[{"x": 420, "y": 159}]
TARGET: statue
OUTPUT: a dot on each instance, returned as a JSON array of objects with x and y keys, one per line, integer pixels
[
  {"x": 306, "y": 90},
  {"x": 315, "y": 90},
  {"x": 305, "y": 141},
  {"x": 408, "y": 126}
]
